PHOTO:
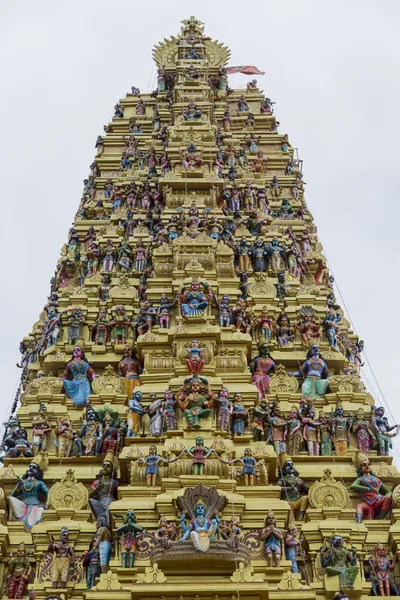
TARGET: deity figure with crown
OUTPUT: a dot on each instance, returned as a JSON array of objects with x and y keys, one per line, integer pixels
[
  {"x": 294, "y": 489},
  {"x": 382, "y": 567},
  {"x": 315, "y": 373},
  {"x": 104, "y": 489},
  {"x": 376, "y": 496},
  {"x": 20, "y": 570},
  {"x": 195, "y": 402},
  {"x": 339, "y": 561},
  {"x": 194, "y": 300},
  {"x": 29, "y": 497},
  {"x": 200, "y": 529}
]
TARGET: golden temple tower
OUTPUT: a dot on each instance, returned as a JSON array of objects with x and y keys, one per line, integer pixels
[{"x": 192, "y": 423}]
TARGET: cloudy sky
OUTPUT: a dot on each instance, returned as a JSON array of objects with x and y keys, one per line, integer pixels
[{"x": 331, "y": 67}]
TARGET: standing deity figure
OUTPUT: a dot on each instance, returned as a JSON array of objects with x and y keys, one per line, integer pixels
[
  {"x": 164, "y": 311},
  {"x": 167, "y": 533},
  {"x": 365, "y": 436},
  {"x": 261, "y": 366},
  {"x": 224, "y": 310},
  {"x": 20, "y": 570},
  {"x": 277, "y": 254},
  {"x": 338, "y": 561},
  {"x": 100, "y": 327},
  {"x": 376, "y": 496},
  {"x": 292, "y": 544},
  {"x": 224, "y": 410},
  {"x": 63, "y": 558},
  {"x": 266, "y": 325},
  {"x": 382, "y": 569},
  {"x": 294, "y": 489},
  {"x": 308, "y": 328},
  {"x": 311, "y": 432},
  {"x": 284, "y": 332},
  {"x": 200, "y": 529},
  {"x": 199, "y": 453},
  {"x": 315, "y": 373},
  {"x": 124, "y": 257},
  {"x": 294, "y": 435},
  {"x": 65, "y": 437},
  {"x": 110, "y": 433},
  {"x": 273, "y": 539},
  {"x": 259, "y": 256},
  {"x": 195, "y": 405},
  {"x": 103, "y": 543},
  {"x": 90, "y": 439},
  {"x": 155, "y": 412},
  {"x": 193, "y": 301},
  {"x": 104, "y": 490},
  {"x": 109, "y": 255},
  {"x": 91, "y": 562},
  {"x": 325, "y": 434},
  {"x": 240, "y": 416},
  {"x": 128, "y": 542},
  {"x": 249, "y": 467},
  {"x": 129, "y": 368},
  {"x": 29, "y": 497},
  {"x": 151, "y": 461},
  {"x": 120, "y": 324},
  {"x": 104, "y": 288},
  {"x": 169, "y": 411},
  {"x": 381, "y": 429},
  {"x": 243, "y": 251},
  {"x": 41, "y": 430},
  {"x": 195, "y": 357},
  {"x": 277, "y": 430},
  {"x": 259, "y": 416},
  {"x": 78, "y": 369},
  {"x": 340, "y": 426},
  {"x": 135, "y": 412},
  {"x": 330, "y": 325}
]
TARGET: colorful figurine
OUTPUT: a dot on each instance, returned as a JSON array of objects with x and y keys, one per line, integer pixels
[
  {"x": 292, "y": 546},
  {"x": 129, "y": 368},
  {"x": 78, "y": 369},
  {"x": 29, "y": 497},
  {"x": 382, "y": 569},
  {"x": 261, "y": 367},
  {"x": 199, "y": 453},
  {"x": 19, "y": 569},
  {"x": 273, "y": 540},
  {"x": 135, "y": 411},
  {"x": 315, "y": 373},
  {"x": 381, "y": 429},
  {"x": 376, "y": 496},
  {"x": 295, "y": 490},
  {"x": 128, "y": 531},
  {"x": 200, "y": 529},
  {"x": 337, "y": 560},
  {"x": 104, "y": 490},
  {"x": 63, "y": 558},
  {"x": 195, "y": 358},
  {"x": 195, "y": 405},
  {"x": 224, "y": 410}
]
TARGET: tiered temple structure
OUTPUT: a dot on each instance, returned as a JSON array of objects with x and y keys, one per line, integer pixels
[{"x": 192, "y": 423}]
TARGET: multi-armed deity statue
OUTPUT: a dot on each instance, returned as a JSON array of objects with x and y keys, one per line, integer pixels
[{"x": 191, "y": 410}]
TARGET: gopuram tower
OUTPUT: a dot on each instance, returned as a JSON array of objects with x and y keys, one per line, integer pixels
[{"x": 191, "y": 423}]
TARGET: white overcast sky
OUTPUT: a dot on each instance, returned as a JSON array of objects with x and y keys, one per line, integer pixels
[{"x": 331, "y": 67}]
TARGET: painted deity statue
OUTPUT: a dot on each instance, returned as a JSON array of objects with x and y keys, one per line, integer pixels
[
  {"x": 272, "y": 537},
  {"x": 200, "y": 529},
  {"x": 259, "y": 416},
  {"x": 249, "y": 467},
  {"x": 315, "y": 373},
  {"x": 292, "y": 543},
  {"x": 195, "y": 357},
  {"x": 224, "y": 410},
  {"x": 19, "y": 569},
  {"x": 128, "y": 531},
  {"x": 196, "y": 405},
  {"x": 65, "y": 437},
  {"x": 169, "y": 411},
  {"x": 311, "y": 432},
  {"x": 284, "y": 332},
  {"x": 382, "y": 568},
  {"x": 261, "y": 367},
  {"x": 294, "y": 489},
  {"x": 41, "y": 430},
  {"x": 277, "y": 430},
  {"x": 340, "y": 426},
  {"x": 376, "y": 496},
  {"x": 89, "y": 441},
  {"x": 381, "y": 429},
  {"x": 135, "y": 412},
  {"x": 199, "y": 453},
  {"x": 308, "y": 328},
  {"x": 240, "y": 416},
  {"x": 63, "y": 558},
  {"x": 29, "y": 497},
  {"x": 194, "y": 301},
  {"x": 76, "y": 383},
  {"x": 91, "y": 562},
  {"x": 338, "y": 561},
  {"x": 167, "y": 533},
  {"x": 130, "y": 369},
  {"x": 294, "y": 435},
  {"x": 104, "y": 490},
  {"x": 155, "y": 412}
]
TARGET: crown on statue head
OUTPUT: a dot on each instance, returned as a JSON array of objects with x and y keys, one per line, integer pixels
[
  {"x": 283, "y": 459},
  {"x": 200, "y": 501},
  {"x": 41, "y": 460},
  {"x": 109, "y": 457}
]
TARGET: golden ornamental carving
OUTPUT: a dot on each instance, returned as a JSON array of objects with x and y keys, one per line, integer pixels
[
  {"x": 123, "y": 289},
  {"x": 328, "y": 493},
  {"x": 384, "y": 470},
  {"x": 290, "y": 581},
  {"x": 2, "y": 499},
  {"x": 152, "y": 575},
  {"x": 68, "y": 493},
  {"x": 396, "y": 496},
  {"x": 343, "y": 383},
  {"x": 108, "y": 383},
  {"x": 243, "y": 574},
  {"x": 108, "y": 581},
  {"x": 281, "y": 382},
  {"x": 47, "y": 385},
  {"x": 308, "y": 290},
  {"x": 8, "y": 473}
]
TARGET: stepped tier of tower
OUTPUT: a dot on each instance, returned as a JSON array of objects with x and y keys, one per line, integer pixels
[{"x": 191, "y": 420}]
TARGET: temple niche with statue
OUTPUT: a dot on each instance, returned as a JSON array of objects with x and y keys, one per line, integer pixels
[{"x": 191, "y": 422}]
